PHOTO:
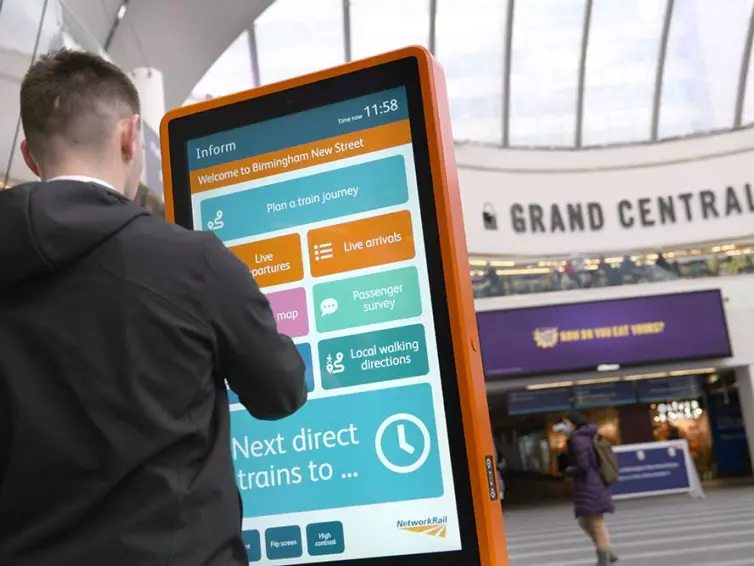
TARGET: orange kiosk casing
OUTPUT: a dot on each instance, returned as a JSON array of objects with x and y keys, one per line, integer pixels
[{"x": 176, "y": 132}]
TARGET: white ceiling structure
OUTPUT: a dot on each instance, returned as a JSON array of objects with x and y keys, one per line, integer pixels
[
  {"x": 182, "y": 38},
  {"x": 530, "y": 73},
  {"x": 521, "y": 73},
  {"x": 24, "y": 24}
]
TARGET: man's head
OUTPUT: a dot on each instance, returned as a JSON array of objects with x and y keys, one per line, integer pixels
[{"x": 81, "y": 116}]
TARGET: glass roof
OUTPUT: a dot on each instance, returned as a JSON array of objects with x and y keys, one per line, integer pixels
[{"x": 529, "y": 73}]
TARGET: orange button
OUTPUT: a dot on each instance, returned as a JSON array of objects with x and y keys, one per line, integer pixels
[
  {"x": 274, "y": 261},
  {"x": 363, "y": 243}
]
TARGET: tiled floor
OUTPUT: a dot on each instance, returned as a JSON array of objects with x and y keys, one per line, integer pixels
[{"x": 665, "y": 531}]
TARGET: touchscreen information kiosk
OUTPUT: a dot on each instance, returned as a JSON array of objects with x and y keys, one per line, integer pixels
[{"x": 339, "y": 192}]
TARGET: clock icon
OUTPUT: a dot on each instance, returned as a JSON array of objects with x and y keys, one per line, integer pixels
[{"x": 394, "y": 432}]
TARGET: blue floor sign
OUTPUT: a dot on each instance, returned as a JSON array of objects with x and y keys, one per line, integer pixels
[{"x": 652, "y": 469}]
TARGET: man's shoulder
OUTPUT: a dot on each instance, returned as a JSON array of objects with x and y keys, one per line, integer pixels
[
  {"x": 152, "y": 247},
  {"x": 160, "y": 235}
]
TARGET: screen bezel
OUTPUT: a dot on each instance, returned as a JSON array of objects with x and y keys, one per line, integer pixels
[
  {"x": 581, "y": 369},
  {"x": 403, "y": 72}
]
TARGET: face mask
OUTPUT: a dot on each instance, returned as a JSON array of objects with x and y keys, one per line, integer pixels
[{"x": 564, "y": 428}]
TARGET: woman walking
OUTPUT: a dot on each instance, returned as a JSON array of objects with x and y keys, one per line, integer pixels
[{"x": 592, "y": 498}]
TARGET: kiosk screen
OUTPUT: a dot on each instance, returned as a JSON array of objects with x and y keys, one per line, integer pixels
[{"x": 323, "y": 206}]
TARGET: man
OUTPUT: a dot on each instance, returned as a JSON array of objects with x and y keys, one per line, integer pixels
[{"x": 117, "y": 332}]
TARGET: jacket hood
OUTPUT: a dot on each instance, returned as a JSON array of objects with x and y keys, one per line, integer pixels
[
  {"x": 586, "y": 430},
  {"x": 45, "y": 226}
]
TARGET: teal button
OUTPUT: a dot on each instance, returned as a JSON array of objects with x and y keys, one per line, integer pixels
[
  {"x": 306, "y": 354},
  {"x": 312, "y": 198},
  {"x": 369, "y": 299},
  {"x": 253, "y": 543},
  {"x": 372, "y": 357},
  {"x": 325, "y": 538},
  {"x": 283, "y": 542},
  {"x": 232, "y": 397},
  {"x": 298, "y": 128},
  {"x": 339, "y": 451}
]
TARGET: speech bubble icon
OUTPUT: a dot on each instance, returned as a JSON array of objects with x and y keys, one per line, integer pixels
[{"x": 328, "y": 307}]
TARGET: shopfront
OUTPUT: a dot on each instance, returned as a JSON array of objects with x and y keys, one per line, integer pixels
[
  {"x": 703, "y": 409},
  {"x": 648, "y": 332}
]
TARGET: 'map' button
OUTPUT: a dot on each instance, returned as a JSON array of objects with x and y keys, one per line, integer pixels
[
  {"x": 253, "y": 543},
  {"x": 283, "y": 542},
  {"x": 325, "y": 538}
]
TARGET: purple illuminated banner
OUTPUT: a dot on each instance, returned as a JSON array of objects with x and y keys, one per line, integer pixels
[{"x": 582, "y": 336}]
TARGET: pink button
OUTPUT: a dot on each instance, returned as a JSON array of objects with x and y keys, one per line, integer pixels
[{"x": 289, "y": 308}]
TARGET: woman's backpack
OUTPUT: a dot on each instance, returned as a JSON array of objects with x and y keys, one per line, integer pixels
[{"x": 607, "y": 461}]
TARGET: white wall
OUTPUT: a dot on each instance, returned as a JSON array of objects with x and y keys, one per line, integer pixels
[
  {"x": 738, "y": 294},
  {"x": 717, "y": 170}
]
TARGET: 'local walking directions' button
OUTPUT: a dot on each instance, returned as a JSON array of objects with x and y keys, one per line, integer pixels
[{"x": 371, "y": 357}]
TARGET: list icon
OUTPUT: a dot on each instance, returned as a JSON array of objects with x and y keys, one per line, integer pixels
[{"x": 323, "y": 251}]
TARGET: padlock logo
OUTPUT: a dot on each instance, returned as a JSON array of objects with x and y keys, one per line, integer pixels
[{"x": 489, "y": 216}]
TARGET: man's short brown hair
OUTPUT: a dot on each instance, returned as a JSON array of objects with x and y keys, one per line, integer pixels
[{"x": 73, "y": 98}]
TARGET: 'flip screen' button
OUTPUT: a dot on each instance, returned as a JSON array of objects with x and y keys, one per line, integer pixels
[{"x": 283, "y": 542}]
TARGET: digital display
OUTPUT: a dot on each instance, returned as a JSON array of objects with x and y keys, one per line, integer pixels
[
  {"x": 584, "y": 336},
  {"x": 539, "y": 401},
  {"x": 323, "y": 207},
  {"x": 604, "y": 394},
  {"x": 669, "y": 389}
]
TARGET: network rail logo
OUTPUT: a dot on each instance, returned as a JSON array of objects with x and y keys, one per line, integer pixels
[{"x": 432, "y": 526}]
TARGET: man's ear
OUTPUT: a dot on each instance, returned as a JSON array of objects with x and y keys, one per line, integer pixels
[
  {"x": 29, "y": 158},
  {"x": 130, "y": 138}
]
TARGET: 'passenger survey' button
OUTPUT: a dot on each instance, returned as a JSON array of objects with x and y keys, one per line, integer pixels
[{"x": 369, "y": 299}]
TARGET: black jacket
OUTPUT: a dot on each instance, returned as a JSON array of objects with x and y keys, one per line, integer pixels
[{"x": 116, "y": 333}]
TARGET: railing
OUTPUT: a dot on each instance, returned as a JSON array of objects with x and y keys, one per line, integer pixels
[{"x": 502, "y": 278}]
